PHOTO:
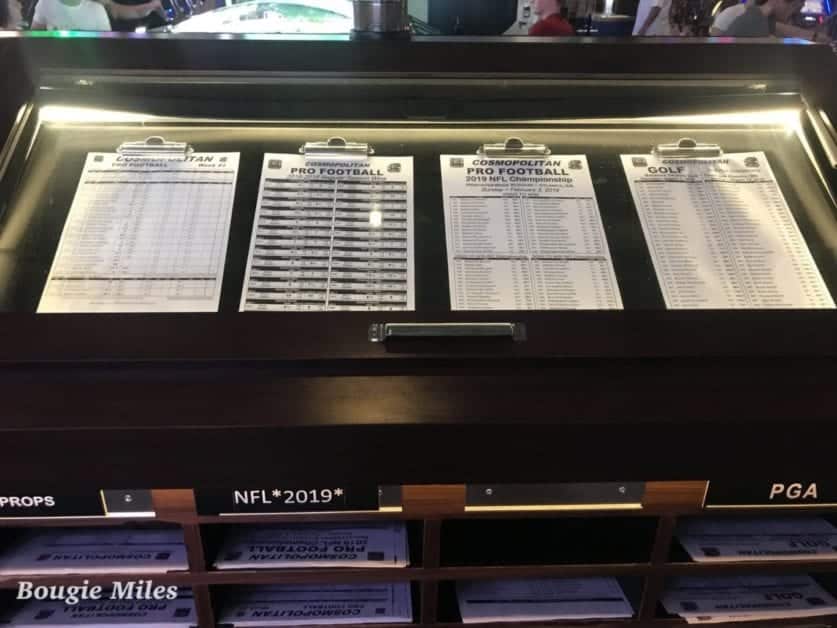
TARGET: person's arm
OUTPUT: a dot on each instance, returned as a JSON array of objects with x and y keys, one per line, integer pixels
[
  {"x": 120, "y": 11},
  {"x": 649, "y": 20},
  {"x": 789, "y": 30}
]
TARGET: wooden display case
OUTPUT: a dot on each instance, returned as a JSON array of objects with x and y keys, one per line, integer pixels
[{"x": 181, "y": 403}]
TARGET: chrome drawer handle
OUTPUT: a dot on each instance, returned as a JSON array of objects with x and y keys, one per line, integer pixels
[{"x": 381, "y": 332}]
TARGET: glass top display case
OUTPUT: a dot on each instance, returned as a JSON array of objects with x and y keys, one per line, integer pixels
[{"x": 468, "y": 343}]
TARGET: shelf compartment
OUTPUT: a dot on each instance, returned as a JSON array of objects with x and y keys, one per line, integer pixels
[
  {"x": 827, "y": 580},
  {"x": 214, "y": 535},
  {"x": 557, "y": 541},
  {"x": 163, "y": 552},
  {"x": 222, "y": 594},
  {"x": 448, "y": 609},
  {"x": 679, "y": 555}
]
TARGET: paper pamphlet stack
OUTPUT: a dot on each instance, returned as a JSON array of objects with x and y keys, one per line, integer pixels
[
  {"x": 725, "y": 540},
  {"x": 105, "y": 613},
  {"x": 542, "y": 600},
  {"x": 294, "y": 605},
  {"x": 309, "y": 545},
  {"x": 746, "y": 598},
  {"x": 100, "y": 551}
]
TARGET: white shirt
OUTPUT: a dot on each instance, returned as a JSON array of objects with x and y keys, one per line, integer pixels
[
  {"x": 726, "y": 17},
  {"x": 88, "y": 15},
  {"x": 660, "y": 27}
]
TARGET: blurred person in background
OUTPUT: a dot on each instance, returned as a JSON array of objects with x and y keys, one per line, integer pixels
[
  {"x": 579, "y": 13},
  {"x": 662, "y": 18},
  {"x": 130, "y": 12},
  {"x": 763, "y": 18},
  {"x": 550, "y": 23},
  {"x": 10, "y": 14},
  {"x": 87, "y": 15}
]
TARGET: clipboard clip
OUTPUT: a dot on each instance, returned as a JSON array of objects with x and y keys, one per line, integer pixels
[
  {"x": 155, "y": 147},
  {"x": 688, "y": 147},
  {"x": 336, "y": 148},
  {"x": 515, "y": 147}
]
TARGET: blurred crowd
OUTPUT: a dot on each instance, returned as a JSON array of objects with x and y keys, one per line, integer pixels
[
  {"x": 694, "y": 18},
  {"x": 82, "y": 15},
  {"x": 654, "y": 18}
]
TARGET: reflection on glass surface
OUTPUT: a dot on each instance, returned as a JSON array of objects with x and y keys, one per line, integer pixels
[
  {"x": 320, "y": 17},
  {"x": 376, "y": 218},
  {"x": 81, "y": 115}
]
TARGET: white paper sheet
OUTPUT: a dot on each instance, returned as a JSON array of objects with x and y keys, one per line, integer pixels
[
  {"x": 315, "y": 545},
  {"x": 106, "y": 613},
  {"x": 725, "y": 540},
  {"x": 144, "y": 235},
  {"x": 746, "y": 598},
  {"x": 95, "y": 551},
  {"x": 721, "y": 235},
  {"x": 295, "y": 605},
  {"x": 332, "y": 236},
  {"x": 541, "y": 600},
  {"x": 525, "y": 234}
]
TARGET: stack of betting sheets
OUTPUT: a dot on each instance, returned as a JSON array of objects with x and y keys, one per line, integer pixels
[
  {"x": 105, "y": 613},
  {"x": 746, "y": 598},
  {"x": 542, "y": 600},
  {"x": 294, "y": 605},
  {"x": 106, "y": 550},
  {"x": 315, "y": 545},
  {"x": 726, "y": 540}
]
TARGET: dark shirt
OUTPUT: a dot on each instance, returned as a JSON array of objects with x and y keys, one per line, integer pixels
[
  {"x": 151, "y": 21},
  {"x": 752, "y": 23},
  {"x": 552, "y": 26}
]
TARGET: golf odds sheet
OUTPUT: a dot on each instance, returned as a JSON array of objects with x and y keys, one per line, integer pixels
[
  {"x": 525, "y": 234},
  {"x": 332, "y": 235},
  {"x": 746, "y": 598},
  {"x": 730, "y": 540},
  {"x": 721, "y": 234}
]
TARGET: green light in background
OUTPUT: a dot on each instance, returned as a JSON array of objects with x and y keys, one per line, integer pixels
[{"x": 63, "y": 34}]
